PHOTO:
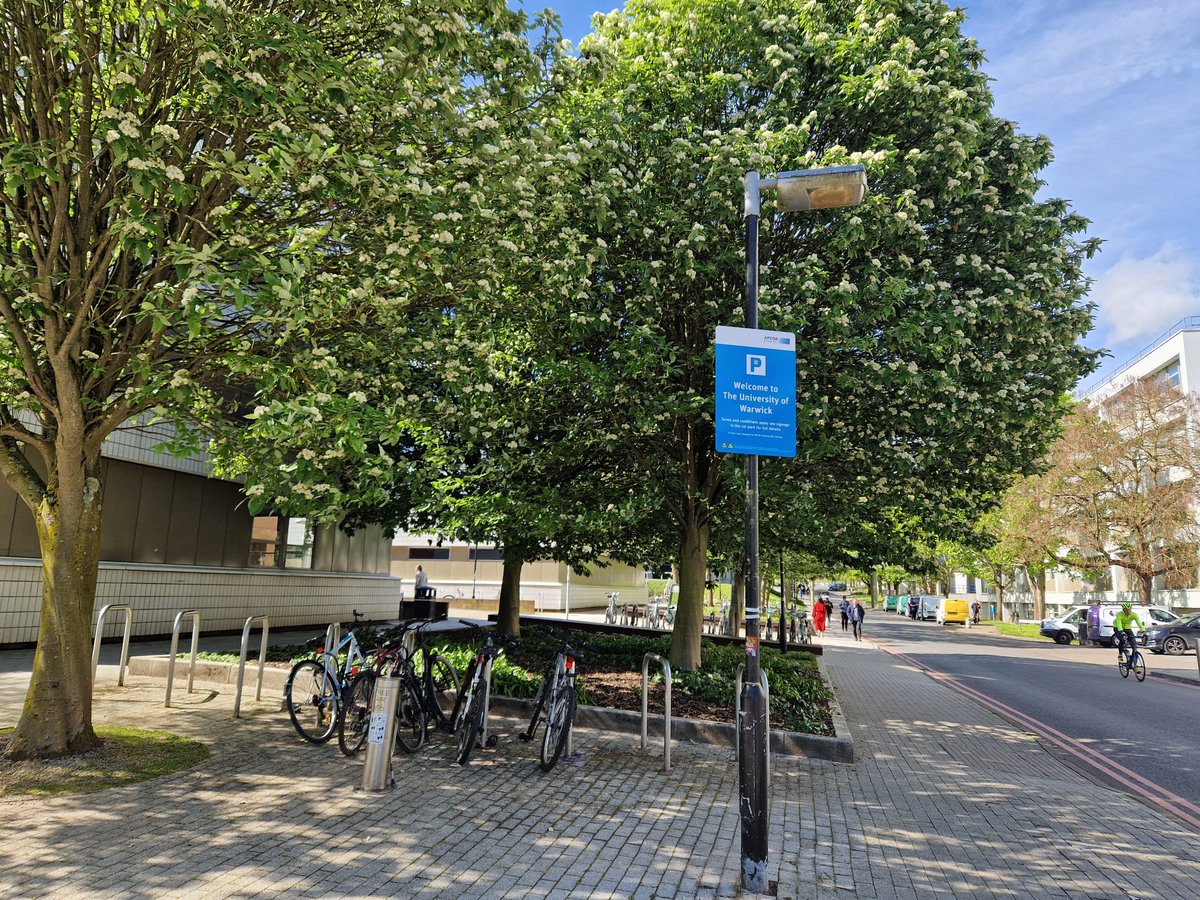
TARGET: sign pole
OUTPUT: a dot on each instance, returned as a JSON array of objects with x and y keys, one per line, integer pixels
[{"x": 752, "y": 729}]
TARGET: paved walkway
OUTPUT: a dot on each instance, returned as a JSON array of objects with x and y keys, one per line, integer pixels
[{"x": 945, "y": 800}]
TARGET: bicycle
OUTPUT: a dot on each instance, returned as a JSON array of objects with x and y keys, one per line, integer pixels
[
  {"x": 471, "y": 705},
  {"x": 316, "y": 690},
  {"x": 555, "y": 695},
  {"x": 429, "y": 686},
  {"x": 355, "y": 716},
  {"x": 610, "y": 614},
  {"x": 1131, "y": 661}
]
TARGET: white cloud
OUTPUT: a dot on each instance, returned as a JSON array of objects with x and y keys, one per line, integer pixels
[{"x": 1143, "y": 297}]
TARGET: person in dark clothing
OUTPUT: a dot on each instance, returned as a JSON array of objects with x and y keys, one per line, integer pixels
[
  {"x": 857, "y": 613},
  {"x": 913, "y": 603}
]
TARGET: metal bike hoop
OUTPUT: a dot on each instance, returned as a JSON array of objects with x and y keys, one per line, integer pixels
[
  {"x": 128, "y": 610},
  {"x": 666, "y": 667},
  {"x": 262, "y": 660},
  {"x": 194, "y": 615}
]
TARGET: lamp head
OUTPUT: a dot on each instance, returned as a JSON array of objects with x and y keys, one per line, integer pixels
[{"x": 820, "y": 188}]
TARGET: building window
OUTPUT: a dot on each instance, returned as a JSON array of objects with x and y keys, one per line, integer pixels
[
  {"x": 486, "y": 554},
  {"x": 298, "y": 549},
  {"x": 428, "y": 552},
  {"x": 264, "y": 542},
  {"x": 279, "y": 542},
  {"x": 1169, "y": 373}
]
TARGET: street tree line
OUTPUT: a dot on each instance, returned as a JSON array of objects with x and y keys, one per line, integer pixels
[{"x": 427, "y": 266}]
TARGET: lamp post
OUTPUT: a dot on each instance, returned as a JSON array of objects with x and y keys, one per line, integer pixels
[{"x": 794, "y": 191}]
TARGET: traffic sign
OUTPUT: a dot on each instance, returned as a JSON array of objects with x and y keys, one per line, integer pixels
[{"x": 756, "y": 391}]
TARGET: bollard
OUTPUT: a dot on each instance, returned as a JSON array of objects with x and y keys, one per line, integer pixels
[{"x": 381, "y": 735}]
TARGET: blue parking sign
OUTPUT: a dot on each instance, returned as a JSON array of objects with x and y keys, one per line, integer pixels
[{"x": 756, "y": 391}]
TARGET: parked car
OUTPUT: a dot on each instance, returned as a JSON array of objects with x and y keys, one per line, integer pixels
[
  {"x": 889, "y": 603},
  {"x": 1066, "y": 628},
  {"x": 1174, "y": 638}
]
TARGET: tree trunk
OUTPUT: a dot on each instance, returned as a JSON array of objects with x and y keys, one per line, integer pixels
[
  {"x": 737, "y": 599},
  {"x": 1145, "y": 587},
  {"x": 1039, "y": 596},
  {"x": 57, "y": 717},
  {"x": 508, "y": 617},
  {"x": 874, "y": 589},
  {"x": 689, "y": 616}
]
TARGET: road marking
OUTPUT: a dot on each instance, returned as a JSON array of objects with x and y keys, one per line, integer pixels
[{"x": 1154, "y": 794}]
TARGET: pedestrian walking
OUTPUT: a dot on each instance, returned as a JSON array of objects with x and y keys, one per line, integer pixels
[
  {"x": 828, "y": 609},
  {"x": 844, "y": 606},
  {"x": 975, "y": 608},
  {"x": 818, "y": 614},
  {"x": 913, "y": 603},
  {"x": 857, "y": 613}
]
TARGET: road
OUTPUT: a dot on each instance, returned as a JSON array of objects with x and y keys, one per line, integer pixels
[{"x": 1140, "y": 736}]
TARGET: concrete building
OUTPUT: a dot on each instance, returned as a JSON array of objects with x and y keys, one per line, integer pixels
[{"x": 1175, "y": 358}]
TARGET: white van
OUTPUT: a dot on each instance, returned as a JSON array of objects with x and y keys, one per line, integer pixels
[{"x": 1065, "y": 628}]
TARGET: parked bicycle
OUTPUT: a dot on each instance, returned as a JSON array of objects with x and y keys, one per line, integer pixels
[
  {"x": 555, "y": 698},
  {"x": 316, "y": 689},
  {"x": 471, "y": 705},
  {"x": 428, "y": 689},
  {"x": 1130, "y": 659},
  {"x": 611, "y": 612}
]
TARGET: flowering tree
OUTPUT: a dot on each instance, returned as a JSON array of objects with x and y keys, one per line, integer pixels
[
  {"x": 937, "y": 323},
  {"x": 197, "y": 196},
  {"x": 1122, "y": 488}
]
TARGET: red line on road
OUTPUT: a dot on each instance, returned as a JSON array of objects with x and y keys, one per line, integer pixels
[{"x": 1153, "y": 793}]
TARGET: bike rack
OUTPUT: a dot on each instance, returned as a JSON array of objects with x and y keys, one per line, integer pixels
[
  {"x": 766, "y": 686},
  {"x": 666, "y": 667},
  {"x": 128, "y": 610},
  {"x": 262, "y": 660},
  {"x": 194, "y": 615}
]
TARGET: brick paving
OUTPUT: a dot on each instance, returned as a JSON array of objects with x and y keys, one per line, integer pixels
[{"x": 945, "y": 799}]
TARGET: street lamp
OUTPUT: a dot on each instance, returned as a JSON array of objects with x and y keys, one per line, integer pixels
[{"x": 795, "y": 191}]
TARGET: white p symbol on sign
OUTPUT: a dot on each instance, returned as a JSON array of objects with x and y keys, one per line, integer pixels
[{"x": 756, "y": 365}]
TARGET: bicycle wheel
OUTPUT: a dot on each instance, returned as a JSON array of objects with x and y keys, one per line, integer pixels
[
  {"x": 559, "y": 716},
  {"x": 312, "y": 701},
  {"x": 410, "y": 717},
  {"x": 539, "y": 704},
  {"x": 441, "y": 690},
  {"x": 1123, "y": 665},
  {"x": 471, "y": 723},
  {"x": 354, "y": 720},
  {"x": 1139, "y": 667},
  {"x": 460, "y": 699}
]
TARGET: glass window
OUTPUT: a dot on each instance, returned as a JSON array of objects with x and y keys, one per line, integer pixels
[
  {"x": 428, "y": 552},
  {"x": 298, "y": 552},
  {"x": 264, "y": 542},
  {"x": 492, "y": 553},
  {"x": 1170, "y": 373}
]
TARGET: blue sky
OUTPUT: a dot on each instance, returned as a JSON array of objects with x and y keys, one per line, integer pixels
[{"x": 1115, "y": 85}]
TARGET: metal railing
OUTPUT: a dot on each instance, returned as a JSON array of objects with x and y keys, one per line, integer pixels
[
  {"x": 766, "y": 686},
  {"x": 262, "y": 660},
  {"x": 666, "y": 667},
  {"x": 114, "y": 607},
  {"x": 194, "y": 615}
]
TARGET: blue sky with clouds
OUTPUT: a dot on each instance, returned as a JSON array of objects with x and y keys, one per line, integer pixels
[{"x": 1115, "y": 85}]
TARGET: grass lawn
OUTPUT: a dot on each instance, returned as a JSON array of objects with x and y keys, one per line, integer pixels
[
  {"x": 1025, "y": 631},
  {"x": 124, "y": 756}
]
